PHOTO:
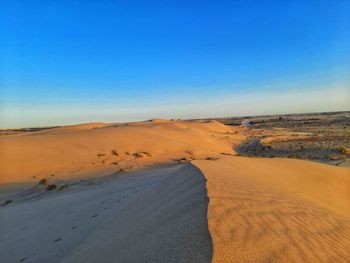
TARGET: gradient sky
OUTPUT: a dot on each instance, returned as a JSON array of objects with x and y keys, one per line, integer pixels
[{"x": 72, "y": 61}]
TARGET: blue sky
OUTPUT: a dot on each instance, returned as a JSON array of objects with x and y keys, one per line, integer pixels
[{"x": 72, "y": 61}]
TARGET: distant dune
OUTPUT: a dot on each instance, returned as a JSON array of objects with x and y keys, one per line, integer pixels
[{"x": 96, "y": 149}]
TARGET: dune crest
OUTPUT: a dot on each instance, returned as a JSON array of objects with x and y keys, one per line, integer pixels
[{"x": 159, "y": 120}]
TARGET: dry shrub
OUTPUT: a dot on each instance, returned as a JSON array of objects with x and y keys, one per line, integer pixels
[
  {"x": 114, "y": 152},
  {"x": 7, "y": 202},
  {"x": 43, "y": 181},
  {"x": 51, "y": 187},
  {"x": 142, "y": 154}
]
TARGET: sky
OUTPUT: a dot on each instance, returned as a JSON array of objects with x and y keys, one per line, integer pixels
[{"x": 66, "y": 62}]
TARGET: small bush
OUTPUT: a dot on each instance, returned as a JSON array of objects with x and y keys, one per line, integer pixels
[
  {"x": 141, "y": 154},
  {"x": 7, "y": 202},
  {"x": 212, "y": 158},
  {"x": 43, "y": 181},
  {"x": 114, "y": 152},
  {"x": 51, "y": 187}
]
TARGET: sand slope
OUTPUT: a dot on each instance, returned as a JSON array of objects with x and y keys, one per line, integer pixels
[
  {"x": 260, "y": 209},
  {"x": 156, "y": 215},
  {"x": 277, "y": 210},
  {"x": 99, "y": 149}
]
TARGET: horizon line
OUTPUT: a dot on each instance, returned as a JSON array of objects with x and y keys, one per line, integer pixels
[{"x": 177, "y": 119}]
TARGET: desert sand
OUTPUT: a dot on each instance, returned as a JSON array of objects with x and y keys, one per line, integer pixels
[
  {"x": 97, "y": 149},
  {"x": 165, "y": 191},
  {"x": 277, "y": 210},
  {"x": 149, "y": 216}
]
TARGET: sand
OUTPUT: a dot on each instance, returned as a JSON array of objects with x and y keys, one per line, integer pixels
[
  {"x": 148, "y": 201},
  {"x": 277, "y": 210},
  {"x": 90, "y": 150},
  {"x": 156, "y": 215}
]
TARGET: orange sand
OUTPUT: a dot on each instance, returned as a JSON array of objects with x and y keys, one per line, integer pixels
[
  {"x": 277, "y": 210},
  {"x": 260, "y": 210},
  {"x": 99, "y": 149}
]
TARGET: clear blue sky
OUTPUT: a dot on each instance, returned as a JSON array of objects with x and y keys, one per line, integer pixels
[{"x": 77, "y": 61}]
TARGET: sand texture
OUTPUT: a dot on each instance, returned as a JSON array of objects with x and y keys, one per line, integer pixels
[
  {"x": 136, "y": 192},
  {"x": 154, "y": 215},
  {"x": 277, "y": 210}
]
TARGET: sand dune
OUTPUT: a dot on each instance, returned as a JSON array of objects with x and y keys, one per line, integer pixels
[
  {"x": 97, "y": 149},
  {"x": 154, "y": 215},
  {"x": 260, "y": 209},
  {"x": 277, "y": 210}
]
